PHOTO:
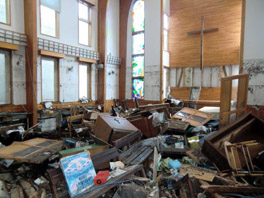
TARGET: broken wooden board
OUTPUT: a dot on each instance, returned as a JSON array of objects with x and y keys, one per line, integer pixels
[
  {"x": 178, "y": 124},
  {"x": 34, "y": 151},
  {"x": 198, "y": 173},
  {"x": 194, "y": 117},
  {"x": 233, "y": 189}
]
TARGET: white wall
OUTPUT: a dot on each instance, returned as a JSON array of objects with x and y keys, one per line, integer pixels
[
  {"x": 69, "y": 31},
  {"x": 152, "y": 51},
  {"x": 112, "y": 48},
  {"x": 254, "y": 50},
  {"x": 112, "y": 28},
  {"x": 19, "y": 76},
  {"x": 17, "y": 17},
  {"x": 254, "y": 30}
]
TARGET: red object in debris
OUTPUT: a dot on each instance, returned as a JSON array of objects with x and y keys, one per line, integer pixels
[{"x": 101, "y": 177}]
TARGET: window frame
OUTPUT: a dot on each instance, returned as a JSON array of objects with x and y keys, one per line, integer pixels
[
  {"x": 166, "y": 30},
  {"x": 57, "y": 75},
  {"x": 10, "y": 76},
  {"x": 8, "y": 15},
  {"x": 135, "y": 55},
  {"x": 89, "y": 74},
  {"x": 57, "y": 21},
  {"x": 89, "y": 22}
]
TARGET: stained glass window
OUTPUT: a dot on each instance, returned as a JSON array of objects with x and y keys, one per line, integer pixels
[
  {"x": 138, "y": 49},
  {"x": 138, "y": 88},
  {"x": 138, "y": 43},
  {"x": 138, "y": 16},
  {"x": 138, "y": 66}
]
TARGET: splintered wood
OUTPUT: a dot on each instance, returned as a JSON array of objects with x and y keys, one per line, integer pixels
[{"x": 198, "y": 173}]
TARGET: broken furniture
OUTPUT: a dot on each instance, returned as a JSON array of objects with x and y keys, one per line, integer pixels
[
  {"x": 145, "y": 125},
  {"x": 238, "y": 154},
  {"x": 34, "y": 151},
  {"x": 116, "y": 131},
  {"x": 233, "y": 86},
  {"x": 194, "y": 117},
  {"x": 246, "y": 128},
  {"x": 95, "y": 192},
  {"x": 136, "y": 154}
]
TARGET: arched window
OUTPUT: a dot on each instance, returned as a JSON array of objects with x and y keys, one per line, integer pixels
[{"x": 138, "y": 45}]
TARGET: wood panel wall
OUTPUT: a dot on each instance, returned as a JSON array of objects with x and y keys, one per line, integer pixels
[{"x": 220, "y": 48}]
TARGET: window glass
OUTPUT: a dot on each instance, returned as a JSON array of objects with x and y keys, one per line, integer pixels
[
  {"x": 83, "y": 33},
  {"x": 48, "y": 21},
  {"x": 138, "y": 16},
  {"x": 138, "y": 66},
  {"x": 49, "y": 79},
  {"x": 138, "y": 43},
  {"x": 4, "y": 11},
  {"x": 5, "y": 89},
  {"x": 84, "y": 81},
  {"x": 138, "y": 88}
]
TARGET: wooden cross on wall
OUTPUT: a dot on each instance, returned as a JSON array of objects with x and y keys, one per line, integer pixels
[{"x": 202, "y": 31}]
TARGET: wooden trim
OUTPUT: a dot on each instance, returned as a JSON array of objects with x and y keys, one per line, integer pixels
[
  {"x": 86, "y": 60},
  {"x": 9, "y": 46},
  {"x": 242, "y": 36},
  {"x": 51, "y": 54},
  {"x": 61, "y": 105},
  {"x": 10, "y": 108}
]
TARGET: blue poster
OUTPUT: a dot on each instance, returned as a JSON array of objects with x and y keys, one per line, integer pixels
[{"x": 79, "y": 172}]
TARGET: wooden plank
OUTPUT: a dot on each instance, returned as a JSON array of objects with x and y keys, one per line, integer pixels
[
  {"x": 181, "y": 93},
  {"x": 226, "y": 91},
  {"x": 9, "y": 46},
  {"x": 198, "y": 173},
  {"x": 220, "y": 48},
  {"x": 86, "y": 60},
  {"x": 30, "y": 18},
  {"x": 233, "y": 189},
  {"x": 52, "y": 54}
]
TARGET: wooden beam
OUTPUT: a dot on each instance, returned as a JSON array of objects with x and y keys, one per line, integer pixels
[
  {"x": 30, "y": 18},
  {"x": 242, "y": 37},
  {"x": 102, "y": 9},
  {"x": 52, "y": 54},
  {"x": 204, "y": 31},
  {"x": 9, "y": 46},
  {"x": 124, "y": 12},
  {"x": 86, "y": 60}
]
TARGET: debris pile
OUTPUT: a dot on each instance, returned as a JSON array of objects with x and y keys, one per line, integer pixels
[{"x": 143, "y": 152}]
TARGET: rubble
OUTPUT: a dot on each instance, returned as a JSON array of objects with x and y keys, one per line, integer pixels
[{"x": 139, "y": 152}]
